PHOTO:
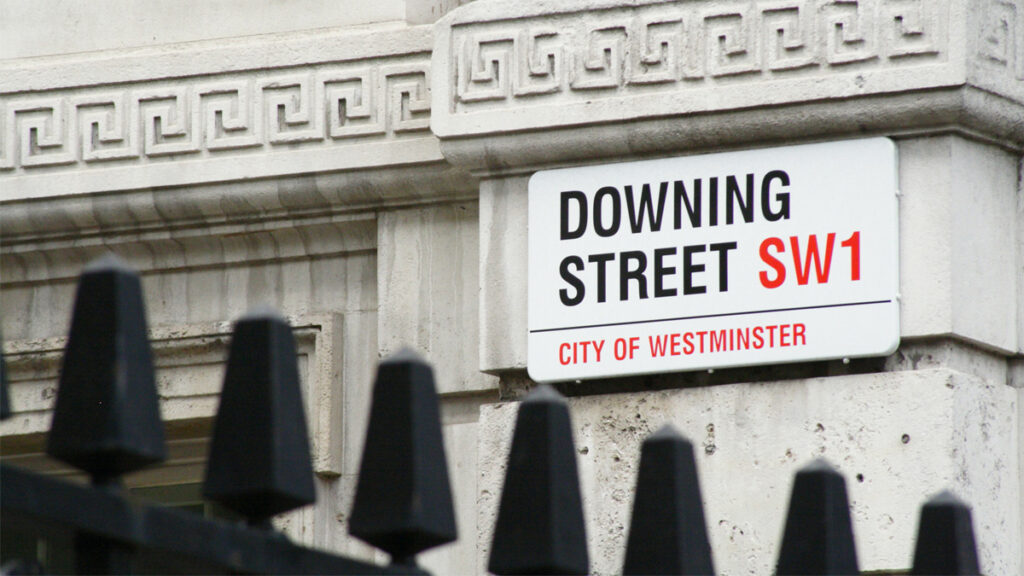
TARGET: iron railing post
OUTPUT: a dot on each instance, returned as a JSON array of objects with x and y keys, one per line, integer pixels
[
  {"x": 818, "y": 538},
  {"x": 106, "y": 420},
  {"x": 667, "y": 534},
  {"x": 540, "y": 527},
  {"x": 259, "y": 462},
  {"x": 945, "y": 538},
  {"x": 403, "y": 501}
]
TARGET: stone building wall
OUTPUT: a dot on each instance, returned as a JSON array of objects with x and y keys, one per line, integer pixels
[{"x": 364, "y": 170}]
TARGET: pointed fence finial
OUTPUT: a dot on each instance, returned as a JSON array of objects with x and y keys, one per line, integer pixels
[
  {"x": 403, "y": 502},
  {"x": 540, "y": 527},
  {"x": 667, "y": 534},
  {"x": 259, "y": 463},
  {"x": 818, "y": 538},
  {"x": 107, "y": 418},
  {"x": 5, "y": 399},
  {"x": 945, "y": 538}
]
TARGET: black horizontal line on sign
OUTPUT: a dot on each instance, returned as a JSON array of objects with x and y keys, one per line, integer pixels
[{"x": 702, "y": 316}]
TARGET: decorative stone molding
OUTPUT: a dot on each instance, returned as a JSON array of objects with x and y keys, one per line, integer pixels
[
  {"x": 997, "y": 50},
  {"x": 251, "y": 114},
  {"x": 576, "y": 63},
  {"x": 149, "y": 120},
  {"x": 192, "y": 251},
  {"x": 189, "y": 361},
  {"x": 687, "y": 46}
]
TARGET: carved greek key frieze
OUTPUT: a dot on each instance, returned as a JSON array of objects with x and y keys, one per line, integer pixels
[
  {"x": 909, "y": 28},
  {"x": 657, "y": 54},
  {"x": 601, "y": 62},
  {"x": 788, "y": 36},
  {"x": 291, "y": 109},
  {"x": 38, "y": 132},
  {"x": 212, "y": 116},
  {"x": 1002, "y": 36},
  {"x": 167, "y": 123},
  {"x": 484, "y": 67},
  {"x": 680, "y": 44},
  {"x": 849, "y": 30},
  {"x": 352, "y": 109},
  {"x": 104, "y": 127},
  {"x": 408, "y": 106},
  {"x": 730, "y": 47}
]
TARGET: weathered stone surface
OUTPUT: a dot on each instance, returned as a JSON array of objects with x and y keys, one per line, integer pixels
[
  {"x": 428, "y": 288},
  {"x": 896, "y": 437},
  {"x": 189, "y": 363},
  {"x": 503, "y": 272},
  {"x": 958, "y": 266},
  {"x": 510, "y": 68},
  {"x": 323, "y": 171},
  {"x": 123, "y": 24}
]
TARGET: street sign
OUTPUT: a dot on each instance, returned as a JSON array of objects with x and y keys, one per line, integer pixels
[{"x": 735, "y": 259}]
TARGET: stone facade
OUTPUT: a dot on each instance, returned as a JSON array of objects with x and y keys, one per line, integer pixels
[{"x": 365, "y": 172}]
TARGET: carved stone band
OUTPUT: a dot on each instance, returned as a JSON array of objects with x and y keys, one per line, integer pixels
[
  {"x": 194, "y": 114},
  {"x": 595, "y": 62}
]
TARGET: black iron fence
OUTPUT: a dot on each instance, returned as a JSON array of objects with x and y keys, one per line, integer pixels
[{"x": 106, "y": 422}]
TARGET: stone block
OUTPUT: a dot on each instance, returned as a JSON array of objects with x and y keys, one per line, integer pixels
[
  {"x": 503, "y": 269},
  {"x": 959, "y": 273},
  {"x": 428, "y": 288},
  {"x": 896, "y": 437},
  {"x": 426, "y": 11},
  {"x": 1020, "y": 255}
]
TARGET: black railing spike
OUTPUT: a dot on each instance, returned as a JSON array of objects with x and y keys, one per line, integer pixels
[
  {"x": 259, "y": 463},
  {"x": 818, "y": 538},
  {"x": 403, "y": 502},
  {"x": 5, "y": 398},
  {"x": 107, "y": 418},
  {"x": 667, "y": 534},
  {"x": 945, "y": 538},
  {"x": 540, "y": 527}
]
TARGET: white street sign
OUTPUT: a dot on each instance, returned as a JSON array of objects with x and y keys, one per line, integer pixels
[{"x": 735, "y": 259}]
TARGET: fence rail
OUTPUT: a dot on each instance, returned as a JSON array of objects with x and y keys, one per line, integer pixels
[{"x": 106, "y": 422}]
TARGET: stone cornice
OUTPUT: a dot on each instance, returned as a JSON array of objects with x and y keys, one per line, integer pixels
[
  {"x": 36, "y": 263},
  {"x": 963, "y": 110},
  {"x": 297, "y": 201},
  {"x": 651, "y": 75}
]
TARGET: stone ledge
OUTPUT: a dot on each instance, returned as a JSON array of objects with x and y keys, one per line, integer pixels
[
  {"x": 251, "y": 204},
  {"x": 240, "y": 246},
  {"x": 965, "y": 111},
  {"x": 606, "y": 79}
]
